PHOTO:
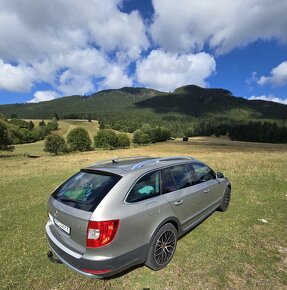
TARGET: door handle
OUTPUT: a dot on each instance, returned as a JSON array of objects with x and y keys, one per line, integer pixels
[
  {"x": 206, "y": 190},
  {"x": 178, "y": 202}
]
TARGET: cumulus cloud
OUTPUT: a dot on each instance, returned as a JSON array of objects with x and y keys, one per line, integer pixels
[
  {"x": 42, "y": 96},
  {"x": 167, "y": 71},
  {"x": 270, "y": 98},
  {"x": 278, "y": 76},
  {"x": 16, "y": 78},
  {"x": 64, "y": 25},
  {"x": 116, "y": 79},
  {"x": 68, "y": 44},
  {"x": 186, "y": 25}
]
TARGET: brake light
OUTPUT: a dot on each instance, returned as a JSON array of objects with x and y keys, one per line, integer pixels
[{"x": 101, "y": 233}]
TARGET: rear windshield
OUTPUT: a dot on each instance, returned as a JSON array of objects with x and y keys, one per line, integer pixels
[{"x": 85, "y": 190}]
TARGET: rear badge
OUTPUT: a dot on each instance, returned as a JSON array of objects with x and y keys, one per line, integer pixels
[{"x": 62, "y": 226}]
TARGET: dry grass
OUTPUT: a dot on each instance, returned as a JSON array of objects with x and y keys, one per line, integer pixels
[{"x": 231, "y": 250}]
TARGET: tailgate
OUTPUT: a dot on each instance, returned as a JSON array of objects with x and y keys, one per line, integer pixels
[{"x": 68, "y": 225}]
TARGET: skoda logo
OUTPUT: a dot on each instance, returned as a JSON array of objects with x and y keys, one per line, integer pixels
[{"x": 55, "y": 213}]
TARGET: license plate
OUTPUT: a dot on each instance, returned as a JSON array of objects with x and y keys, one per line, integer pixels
[{"x": 62, "y": 226}]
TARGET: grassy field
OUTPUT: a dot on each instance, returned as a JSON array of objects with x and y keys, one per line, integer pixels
[{"x": 232, "y": 250}]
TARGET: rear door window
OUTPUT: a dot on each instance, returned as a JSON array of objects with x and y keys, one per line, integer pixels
[
  {"x": 182, "y": 177},
  {"x": 146, "y": 187},
  {"x": 85, "y": 190},
  {"x": 168, "y": 184},
  {"x": 203, "y": 172}
]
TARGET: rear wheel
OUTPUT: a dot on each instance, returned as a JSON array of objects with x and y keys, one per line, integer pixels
[
  {"x": 162, "y": 247},
  {"x": 225, "y": 200}
]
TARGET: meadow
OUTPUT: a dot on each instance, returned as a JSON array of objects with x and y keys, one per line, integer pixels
[{"x": 232, "y": 250}]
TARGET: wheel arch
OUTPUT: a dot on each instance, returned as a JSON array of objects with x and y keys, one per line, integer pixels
[{"x": 172, "y": 220}]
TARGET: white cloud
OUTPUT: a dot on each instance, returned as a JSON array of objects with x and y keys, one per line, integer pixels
[
  {"x": 167, "y": 71},
  {"x": 34, "y": 29},
  {"x": 270, "y": 98},
  {"x": 65, "y": 37},
  {"x": 116, "y": 79},
  {"x": 186, "y": 25},
  {"x": 278, "y": 76},
  {"x": 75, "y": 84},
  {"x": 16, "y": 78},
  {"x": 42, "y": 96}
]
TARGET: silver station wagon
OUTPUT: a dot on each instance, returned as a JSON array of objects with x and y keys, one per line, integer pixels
[{"x": 120, "y": 213}]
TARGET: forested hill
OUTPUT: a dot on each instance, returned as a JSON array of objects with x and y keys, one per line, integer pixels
[
  {"x": 199, "y": 103},
  {"x": 188, "y": 101},
  {"x": 76, "y": 107}
]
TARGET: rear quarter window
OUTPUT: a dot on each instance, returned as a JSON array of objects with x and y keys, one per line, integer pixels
[
  {"x": 146, "y": 187},
  {"x": 85, "y": 190}
]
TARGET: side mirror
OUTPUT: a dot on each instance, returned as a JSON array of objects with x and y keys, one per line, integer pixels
[{"x": 219, "y": 175}]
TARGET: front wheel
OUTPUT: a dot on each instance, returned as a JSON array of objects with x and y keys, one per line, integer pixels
[
  {"x": 225, "y": 200},
  {"x": 162, "y": 247}
]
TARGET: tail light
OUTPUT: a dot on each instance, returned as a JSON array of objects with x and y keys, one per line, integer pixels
[{"x": 101, "y": 233}]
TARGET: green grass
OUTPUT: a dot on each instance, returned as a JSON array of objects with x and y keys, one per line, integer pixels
[{"x": 231, "y": 250}]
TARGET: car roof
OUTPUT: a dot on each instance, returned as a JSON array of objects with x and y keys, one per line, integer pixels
[{"x": 123, "y": 166}]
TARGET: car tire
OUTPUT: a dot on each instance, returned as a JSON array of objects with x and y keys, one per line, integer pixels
[
  {"x": 162, "y": 247},
  {"x": 225, "y": 200}
]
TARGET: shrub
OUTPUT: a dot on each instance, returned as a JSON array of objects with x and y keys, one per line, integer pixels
[
  {"x": 140, "y": 137},
  {"x": 137, "y": 135},
  {"x": 31, "y": 125},
  {"x": 53, "y": 125},
  {"x": 79, "y": 139},
  {"x": 107, "y": 139},
  {"x": 147, "y": 135},
  {"x": 22, "y": 124},
  {"x": 42, "y": 123},
  {"x": 144, "y": 139},
  {"x": 55, "y": 144},
  {"x": 5, "y": 140},
  {"x": 189, "y": 132},
  {"x": 123, "y": 140}
]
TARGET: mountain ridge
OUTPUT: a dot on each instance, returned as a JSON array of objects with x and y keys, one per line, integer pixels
[{"x": 189, "y": 101}]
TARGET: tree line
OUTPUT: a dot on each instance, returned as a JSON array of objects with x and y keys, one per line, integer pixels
[{"x": 17, "y": 131}]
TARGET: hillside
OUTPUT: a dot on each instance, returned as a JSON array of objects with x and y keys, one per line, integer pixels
[
  {"x": 198, "y": 102},
  {"x": 189, "y": 110},
  {"x": 188, "y": 101},
  {"x": 79, "y": 106}
]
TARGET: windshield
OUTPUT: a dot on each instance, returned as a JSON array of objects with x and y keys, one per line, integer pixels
[{"x": 85, "y": 190}]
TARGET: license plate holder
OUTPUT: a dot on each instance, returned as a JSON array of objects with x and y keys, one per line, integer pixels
[{"x": 63, "y": 227}]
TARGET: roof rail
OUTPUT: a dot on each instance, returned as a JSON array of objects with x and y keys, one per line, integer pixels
[
  {"x": 119, "y": 159},
  {"x": 157, "y": 160}
]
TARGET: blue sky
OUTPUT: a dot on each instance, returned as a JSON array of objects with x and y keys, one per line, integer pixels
[{"x": 65, "y": 47}]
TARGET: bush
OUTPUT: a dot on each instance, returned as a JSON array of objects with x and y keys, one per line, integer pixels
[
  {"x": 106, "y": 139},
  {"x": 55, "y": 144},
  {"x": 22, "y": 124},
  {"x": 144, "y": 139},
  {"x": 53, "y": 125},
  {"x": 5, "y": 140},
  {"x": 123, "y": 140},
  {"x": 42, "y": 123},
  {"x": 79, "y": 139},
  {"x": 140, "y": 137},
  {"x": 189, "y": 132},
  {"x": 147, "y": 134}
]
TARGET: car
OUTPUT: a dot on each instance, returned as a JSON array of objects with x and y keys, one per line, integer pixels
[{"x": 123, "y": 212}]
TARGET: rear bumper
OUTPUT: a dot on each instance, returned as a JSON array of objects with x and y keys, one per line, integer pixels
[{"x": 113, "y": 265}]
